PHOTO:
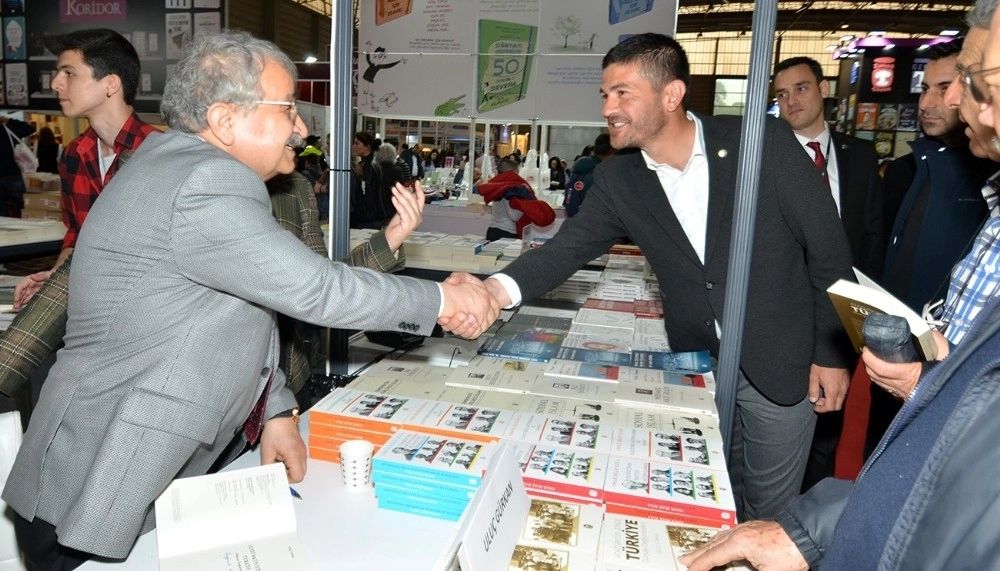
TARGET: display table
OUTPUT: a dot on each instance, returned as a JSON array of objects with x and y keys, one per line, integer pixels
[
  {"x": 20, "y": 239},
  {"x": 456, "y": 217},
  {"x": 339, "y": 528}
]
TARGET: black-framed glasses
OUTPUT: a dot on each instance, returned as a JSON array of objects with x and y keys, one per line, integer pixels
[
  {"x": 293, "y": 112},
  {"x": 975, "y": 81}
]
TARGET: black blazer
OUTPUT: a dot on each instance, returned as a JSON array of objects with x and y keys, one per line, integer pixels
[
  {"x": 799, "y": 250},
  {"x": 860, "y": 201}
]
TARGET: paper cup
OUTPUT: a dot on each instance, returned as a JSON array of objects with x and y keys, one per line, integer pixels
[{"x": 356, "y": 463}]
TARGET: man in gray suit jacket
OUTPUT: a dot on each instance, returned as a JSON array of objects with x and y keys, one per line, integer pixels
[
  {"x": 673, "y": 196},
  {"x": 171, "y": 340}
]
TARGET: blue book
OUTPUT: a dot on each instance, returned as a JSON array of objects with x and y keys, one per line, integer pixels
[
  {"x": 434, "y": 502},
  {"x": 679, "y": 362},
  {"x": 520, "y": 349},
  {"x": 594, "y": 356},
  {"x": 421, "y": 486},
  {"x": 445, "y": 460},
  {"x": 395, "y": 506}
]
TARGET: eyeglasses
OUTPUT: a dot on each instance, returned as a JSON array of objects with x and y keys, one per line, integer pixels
[
  {"x": 974, "y": 80},
  {"x": 292, "y": 109}
]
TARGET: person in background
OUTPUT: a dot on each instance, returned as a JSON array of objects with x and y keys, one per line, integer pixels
[
  {"x": 368, "y": 207},
  {"x": 431, "y": 162},
  {"x": 412, "y": 158},
  {"x": 850, "y": 169},
  {"x": 97, "y": 76},
  {"x": 11, "y": 178},
  {"x": 48, "y": 151},
  {"x": 557, "y": 174},
  {"x": 294, "y": 207},
  {"x": 404, "y": 166},
  {"x": 581, "y": 178},
  {"x": 514, "y": 204},
  {"x": 391, "y": 175},
  {"x": 172, "y": 344}
]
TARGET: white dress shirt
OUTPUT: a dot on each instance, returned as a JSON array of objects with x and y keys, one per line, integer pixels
[{"x": 832, "y": 172}]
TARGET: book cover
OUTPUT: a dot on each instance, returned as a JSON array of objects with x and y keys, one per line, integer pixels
[
  {"x": 698, "y": 446},
  {"x": 359, "y": 410},
  {"x": 562, "y": 525},
  {"x": 437, "y": 501},
  {"x": 660, "y": 419},
  {"x": 680, "y": 361},
  {"x": 867, "y": 116},
  {"x": 506, "y": 52},
  {"x": 885, "y": 142},
  {"x": 583, "y": 371},
  {"x": 649, "y": 309},
  {"x": 637, "y": 376},
  {"x": 685, "y": 399},
  {"x": 421, "y": 486},
  {"x": 574, "y": 389},
  {"x": 593, "y": 410},
  {"x": 494, "y": 379},
  {"x": 599, "y": 339},
  {"x": 677, "y": 492},
  {"x": 569, "y": 432},
  {"x": 524, "y": 350},
  {"x": 392, "y": 504},
  {"x": 854, "y": 301},
  {"x": 477, "y": 423},
  {"x": 888, "y": 117},
  {"x": 236, "y": 517},
  {"x": 609, "y": 305},
  {"x": 568, "y": 472},
  {"x": 602, "y": 318},
  {"x": 908, "y": 114},
  {"x": 622, "y": 359},
  {"x": 632, "y": 543},
  {"x": 448, "y": 461},
  {"x": 521, "y": 320}
]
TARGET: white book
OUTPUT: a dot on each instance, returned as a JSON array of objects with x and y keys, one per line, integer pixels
[
  {"x": 511, "y": 380},
  {"x": 243, "y": 519},
  {"x": 603, "y": 318}
]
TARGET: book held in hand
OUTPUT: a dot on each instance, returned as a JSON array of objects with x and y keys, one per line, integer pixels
[{"x": 854, "y": 301}]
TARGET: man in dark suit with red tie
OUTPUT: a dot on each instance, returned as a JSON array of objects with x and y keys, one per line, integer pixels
[{"x": 850, "y": 167}]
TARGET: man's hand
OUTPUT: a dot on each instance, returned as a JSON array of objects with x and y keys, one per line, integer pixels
[
  {"x": 28, "y": 287},
  {"x": 762, "y": 543},
  {"x": 469, "y": 309},
  {"x": 898, "y": 379},
  {"x": 281, "y": 442},
  {"x": 409, "y": 213},
  {"x": 834, "y": 383}
]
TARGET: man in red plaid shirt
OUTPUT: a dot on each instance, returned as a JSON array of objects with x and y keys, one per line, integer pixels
[{"x": 97, "y": 76}]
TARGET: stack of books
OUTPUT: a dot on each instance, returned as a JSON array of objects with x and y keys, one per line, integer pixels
[
  {"x": 669, "y": 491},
  {"x": 427, "y": 474},
  {"x": 562, "y": 473}
]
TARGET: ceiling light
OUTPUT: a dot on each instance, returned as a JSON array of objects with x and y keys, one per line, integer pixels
[
  {"x": 847, "y": 38},
  {"x": 310, "y": 59},
  {"x": 949, "y": 33},
  {"x": 876, "y": 33},
  {"x": 832, "y": 47},
  {"x": 843, "y": 26}
]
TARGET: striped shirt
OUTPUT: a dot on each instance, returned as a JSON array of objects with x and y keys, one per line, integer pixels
[{"x": 975, "y": 280}]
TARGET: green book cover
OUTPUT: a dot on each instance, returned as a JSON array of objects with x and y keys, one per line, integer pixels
[{"x": 505, "y": 53}]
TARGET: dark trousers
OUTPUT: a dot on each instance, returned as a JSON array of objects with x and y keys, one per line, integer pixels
[
  {"x": 496, "y": 233},
  {"x": 823, "y": 452},
  {"x": 881, "y": 412},
  {"x": 37, "y": 540}
]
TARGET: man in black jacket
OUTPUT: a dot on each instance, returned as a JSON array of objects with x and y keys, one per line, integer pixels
[{"x": 11, "y": 178}]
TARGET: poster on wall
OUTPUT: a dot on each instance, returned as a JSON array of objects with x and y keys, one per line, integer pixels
[
  {"x": 521, "y": 60},
  {"x": 158, "y": 29}
]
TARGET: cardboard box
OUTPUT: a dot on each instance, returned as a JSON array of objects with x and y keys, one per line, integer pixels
[{"x": 50, "y": 200}]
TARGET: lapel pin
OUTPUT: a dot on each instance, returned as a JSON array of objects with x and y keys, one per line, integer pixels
[{"x": 723, "y": 153}]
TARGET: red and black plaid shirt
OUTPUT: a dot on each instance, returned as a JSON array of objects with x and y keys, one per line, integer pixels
[{"x": 80, "y": 171}]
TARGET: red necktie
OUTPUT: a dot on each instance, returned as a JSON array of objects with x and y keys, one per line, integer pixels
[
  {"x": 819, "y": 160},
  {"x": 255, "y": 422}
]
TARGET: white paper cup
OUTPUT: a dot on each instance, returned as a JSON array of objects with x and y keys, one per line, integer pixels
[{"x": 356, "y": 463}]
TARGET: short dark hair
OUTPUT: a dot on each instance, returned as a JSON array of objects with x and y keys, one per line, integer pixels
[
  {"x": 507, "y": 165},
  {"x": 814, "y": 66},
  {"x": 105, "y": 52},
  {"x": 602, "y": 145},
  {"x": 945, "y": 50},
  {"x": 661, "y": 60}
]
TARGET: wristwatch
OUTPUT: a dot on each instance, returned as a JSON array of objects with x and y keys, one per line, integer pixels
[{"x": 292, "y": 412}]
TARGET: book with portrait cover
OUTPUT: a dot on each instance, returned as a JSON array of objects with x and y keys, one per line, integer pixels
[
  {"x": 639, "y": 376},
  {"x": 622, "y": 359},
  {"x": 482, "y": 424},
  {"x": 561, "y": 471},
  {"x": 359, "y": 410},
  {"x": 563, "y": 533},
  {"x": 583, "y": 371},
  {"x": 675, "y": 492},
  {"x": 428, "y": 457},
  {"x": 641, "y": 544},
  {"x": 570, "y": 432},
  {"x": 867, "y": 116},
  {"x": 695, "y": 445}
]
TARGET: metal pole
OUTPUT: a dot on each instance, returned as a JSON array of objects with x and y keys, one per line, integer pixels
[
  {"x": 744, "y": 214},
  {"x": 341, "y": 137}
]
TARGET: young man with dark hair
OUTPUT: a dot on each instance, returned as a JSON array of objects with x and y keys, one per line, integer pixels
[
  {"x": 850, "y": 168},
  {"x": 97, "y": 76},
  {"x": 582, "y": 177},
  {"x": 672, "y": 193}
]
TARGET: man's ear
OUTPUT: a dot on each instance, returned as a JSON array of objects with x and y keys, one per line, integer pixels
[
  {"x": 112, "y": 85},
  {"x": 222, "y": 121},
  {"x": 824, "y": 88},
  {"x": 674, "y": 94}
]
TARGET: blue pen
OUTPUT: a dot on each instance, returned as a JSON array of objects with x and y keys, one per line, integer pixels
[{"x": 295, "y": 494}]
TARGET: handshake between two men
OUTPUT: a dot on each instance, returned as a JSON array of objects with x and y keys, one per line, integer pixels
[{"x": 471, "y": 305}]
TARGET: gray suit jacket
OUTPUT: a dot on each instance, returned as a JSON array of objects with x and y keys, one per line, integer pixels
[
  {"x": 171, "y": 338},
  {"x": 799, "y": 250}
]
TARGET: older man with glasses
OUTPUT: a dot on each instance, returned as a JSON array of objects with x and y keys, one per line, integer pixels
[{"x": 927, "y": 498}]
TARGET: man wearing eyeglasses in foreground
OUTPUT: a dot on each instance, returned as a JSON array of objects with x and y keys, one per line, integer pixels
[
  {"x": 171, "y": 342},
  {"x": 928, "y": 496}
]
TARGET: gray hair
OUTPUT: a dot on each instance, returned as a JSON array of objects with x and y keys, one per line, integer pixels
[
  {"x": 222, "y": 67},
  {"x": 386, "y": 153},
  {"x": 981, "y": 14}
]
